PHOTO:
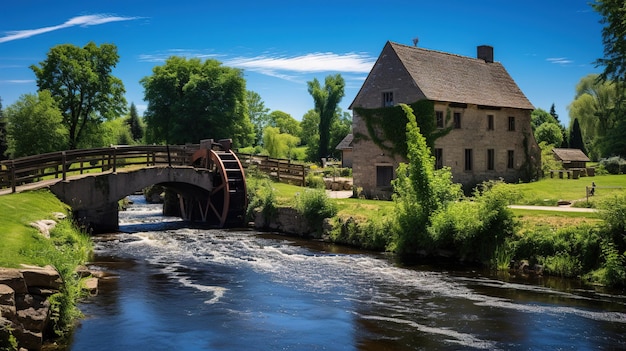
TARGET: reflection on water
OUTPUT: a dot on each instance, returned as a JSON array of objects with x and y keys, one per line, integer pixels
[{"x": 193, "y": 289}]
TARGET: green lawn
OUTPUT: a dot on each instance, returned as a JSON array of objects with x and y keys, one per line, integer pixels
[
  {"x": 17, "y": 238},
  {"x": 549, "y": 191}
]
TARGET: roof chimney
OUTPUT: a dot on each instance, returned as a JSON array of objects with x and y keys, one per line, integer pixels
[{"x": 485, "y": 52}]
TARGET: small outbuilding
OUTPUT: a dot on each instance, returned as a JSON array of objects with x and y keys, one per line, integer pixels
[
  {"x": 345, "y": 146},
  {"x": 571, "y": 158}
]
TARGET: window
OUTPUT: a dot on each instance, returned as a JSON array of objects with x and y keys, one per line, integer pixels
[
  {"x": 510, "y": 159},
  {"x": 438, "y": 158},
  {"x": 439, "y": 116},
  {"x": 468, "y": 159},
  {"x": 388, "y": 99},
  {"x": 490, "y": 125},
  {"x": 384, "y": 175},
  {"x": 491, "y": 159},
  {"x": 511, "y": 124},
  {"x": 457, "y": 120}
]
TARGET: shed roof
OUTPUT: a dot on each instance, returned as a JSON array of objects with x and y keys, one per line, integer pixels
[
  {"x": 570, "y": 155},
  {"x": 346, "y": 143},
  {"x": 453, "y": 78}
]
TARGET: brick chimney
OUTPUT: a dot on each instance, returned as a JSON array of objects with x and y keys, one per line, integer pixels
[{"x": 485, "y": 52}]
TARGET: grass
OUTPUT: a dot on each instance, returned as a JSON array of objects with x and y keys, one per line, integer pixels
[
  {"x": 18, "y": 238},
  {"x": 549, "y": 191}
]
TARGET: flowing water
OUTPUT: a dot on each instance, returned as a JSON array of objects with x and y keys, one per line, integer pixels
[{"x": 175, "y": 287}]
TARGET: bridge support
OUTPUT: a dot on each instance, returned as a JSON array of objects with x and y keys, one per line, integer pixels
[{"x": 104, "y": 219}]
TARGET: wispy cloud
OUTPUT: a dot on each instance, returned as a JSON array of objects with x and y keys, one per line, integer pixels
[
  {"x": 563, "y": 61},
  {"x": 281, "y": 66},
  {"x": 17, "y": 81},
  {"x": 82, "y": 21}
]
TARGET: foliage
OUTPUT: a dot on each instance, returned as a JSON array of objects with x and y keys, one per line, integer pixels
[
  {"x": 35, "y": 125},
  {"x": 326, "y": 99},
  {"x": 548, "y": 161},
  {"x": 576, "y": 137},
  {"x": 315, "y": 181},
  {"x": 613, "y": 165},
  {"x": 373, "y": 234},
  {"x": 135, "y": 124},
  {"x": 191, "y": 100},
  {"x": 285, "y": 123},
  {"x": 261, "y": 194},
  {"x": 613, "y": 272},
  {"x": 554, "y": 114},
  {"x": 613, "y": 14},
  {"x": 614, "y": 215},
  {"x": 419, "y": 191},
  {"x": 340, "y": 128},
  {"x": 277, "y": 144},
  {"x": 80, "y": 80},
  {"x": 540, "y": 116},
  {"x": 315, "y": 206},
  {"x": 310, "y": 133},
  {"x": 596, "y": 106},
  {"x": 258, "y": 115},
  {"x": 549, "y": 133},
  {"x": 3, "y": 134},
  {"x": 384, "y": 123}
]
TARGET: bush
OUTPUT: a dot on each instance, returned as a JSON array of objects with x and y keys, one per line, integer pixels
[
  {"x": 315, "y": 206},
  {"x": 613, "y": 165},
  {"x": 371, "y": 235},
  {"x": 261, "y": 195},
  {"x": 315, "y": 181},
  {"x": 562, "y": 265}
]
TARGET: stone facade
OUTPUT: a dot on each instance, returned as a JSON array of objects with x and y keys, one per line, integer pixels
[{"x": 493, "y": 140}]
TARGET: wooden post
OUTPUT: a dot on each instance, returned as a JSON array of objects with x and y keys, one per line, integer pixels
[
  {"x": 13, "y": 185},
  {"x": 63, "y": 162},
  {"x": 114, "y": 159}
]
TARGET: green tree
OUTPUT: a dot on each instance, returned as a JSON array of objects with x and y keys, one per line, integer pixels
[
  {"x": 554, "y": 114},
  {"x": 550, "y": 133},
  {"x": 540, "y": 116},
  {"x": 81, "y": 82},
  {"x": 3, "y": 134},
  {"x": 285, "y": 123},
  {"x": 613, "y": 14},
  {"x": 341, "y": 127},
  {"x": 259, "y": 115},
  {"x": 595, "y": 107},
  {"x": 277, "y": 144},
  {"x": 576, "y": 137},
  {"x": 134, "y": 122},
  {"x": 35, "y": 125},
  {"x": 191, "y": 100},
  {"x": 326, "y": 99}
]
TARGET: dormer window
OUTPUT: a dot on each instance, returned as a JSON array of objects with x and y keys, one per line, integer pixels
[{"x": 388, "y": 99}]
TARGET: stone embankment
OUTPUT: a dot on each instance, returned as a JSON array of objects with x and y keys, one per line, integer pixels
[{"x": 25, "y": 308}]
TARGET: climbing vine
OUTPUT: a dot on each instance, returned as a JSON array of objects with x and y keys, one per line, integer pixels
[{"x": 386, "y": 126}]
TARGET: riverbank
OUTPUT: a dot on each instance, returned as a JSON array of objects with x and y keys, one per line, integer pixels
[{"x": 37, "y": 232}]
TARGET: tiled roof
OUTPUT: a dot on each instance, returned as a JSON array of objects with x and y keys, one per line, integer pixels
[
  {"x": 570, "y": 155},
  {"x": 452, "y": 78}
]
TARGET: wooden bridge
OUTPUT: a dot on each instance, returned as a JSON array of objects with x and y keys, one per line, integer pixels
[{"x": 208, "y": 178}]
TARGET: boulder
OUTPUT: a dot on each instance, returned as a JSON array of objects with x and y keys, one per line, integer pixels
[
  {"x": 28, "y": 339},
  {"x": 34, "y": 319},
  {"x": 91, "y": 285},
  {"x": 44, "y": 277},
  {"x": 44, "y": 226},
  {"x": 14, "y": 279},
  {"x": 7, "y": 302}
]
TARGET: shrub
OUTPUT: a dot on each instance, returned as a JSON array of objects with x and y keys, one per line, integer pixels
[
  {"x": 315, "y": 181},
  {"x": 561, "y": 264},
  {"x": 370, "y": 235},
  {"x": 261, "y": 195},
  {"x": 613, "y": 165},
  {"x": 315, "y": 206}
]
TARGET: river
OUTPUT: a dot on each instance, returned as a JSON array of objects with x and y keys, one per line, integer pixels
[{"x": 175, "y": 287}]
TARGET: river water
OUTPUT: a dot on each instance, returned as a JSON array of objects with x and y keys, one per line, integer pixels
[{"x": 175, "y": 287}]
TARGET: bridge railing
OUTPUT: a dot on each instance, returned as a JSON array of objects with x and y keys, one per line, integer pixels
[
  {"x": 61, "y": 164},
  {"x": 282, "y": 169}
]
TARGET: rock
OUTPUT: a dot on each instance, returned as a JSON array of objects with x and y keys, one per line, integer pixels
[
  {"x": 44, "y": 226},
  {"x": 91, "y": 285},
  {"x": 44, "y": 277},
  {"x": 34, "y": 319},
  {"x": 7, "y": 302},
  {"x": 59, "y": 216},
  {"x": 14, "y": 279},
  {"x": 28, "y": 339}
]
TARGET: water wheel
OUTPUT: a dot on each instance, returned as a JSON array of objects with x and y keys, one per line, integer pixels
[{"x": 227, "y": 202}]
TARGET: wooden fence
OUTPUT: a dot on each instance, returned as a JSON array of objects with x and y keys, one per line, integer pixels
[
  {"x": 282, "y": 170},
  {"x": 60, "y": 164}
]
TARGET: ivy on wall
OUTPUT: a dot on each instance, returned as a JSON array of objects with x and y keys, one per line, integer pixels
[{"x": 386, "y": 126}]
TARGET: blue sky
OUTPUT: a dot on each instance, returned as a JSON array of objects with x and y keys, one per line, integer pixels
[{"x": 546, "y": 45}]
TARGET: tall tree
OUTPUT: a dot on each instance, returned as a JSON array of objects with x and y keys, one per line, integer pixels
[
  {"x": 81, "y": 82},
  {"x": 191, "y": 100},
  {"x": 540, "y": 116},
  {"x": 3, "y": 134},
  {"x": 576, "y": 137},
  {"x": 613, "y": 14},
  {"x": 258, "y": 115},
  {"x": 136, "y": 127},
  {"x": 554, "y": 114},
  {"x": 550, "y": 133},
  {"x": 284, "y": 122},
  {"x": 35, "y": 125},
  {"x": 326, "y": 99}
]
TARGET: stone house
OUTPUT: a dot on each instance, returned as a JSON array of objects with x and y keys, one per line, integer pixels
[
  {"x": 345, "y": 146},
  {"x": 489, "y": 117}
]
